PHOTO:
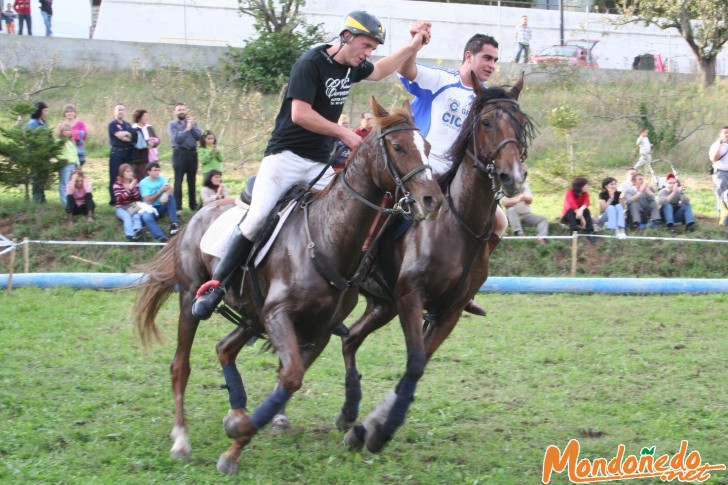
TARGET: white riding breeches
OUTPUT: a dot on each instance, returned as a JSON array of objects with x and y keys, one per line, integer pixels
[{"x": 276, "y": 175}]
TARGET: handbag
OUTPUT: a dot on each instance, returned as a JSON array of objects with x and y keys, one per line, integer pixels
[{"x": 132, "y": 208}]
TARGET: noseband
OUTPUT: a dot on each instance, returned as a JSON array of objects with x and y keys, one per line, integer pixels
[
  {"x": 401, "y": 194},
  {"x": 489, "y": 167}
]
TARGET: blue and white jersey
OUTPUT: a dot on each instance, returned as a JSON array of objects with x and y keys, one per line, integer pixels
[{"x": 441, "y": 104}]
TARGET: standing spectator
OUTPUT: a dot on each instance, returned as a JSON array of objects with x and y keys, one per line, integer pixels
[
  {"x": 126, "y": 191},
  {"x": 184, "y": 133},
  {"x": 641, "y": 203},
  {"x": 718, "y": 155},
  {"x": 340, "y": 150},
  {"x": 675, "y": 205},
  {"x": 575, "y": 212},
  {"x": 610, "y": 204},
  {"x": 79, "y": 131},
  {"x": 22, "y": 7},
  {"x": 157, "y": 192},
  {"x": 70, "y": 155},
  {"x": 9, "y": 17},
  {"x": 214, "y": 191},
  {"x": 645, "y": 148},
  {"x": 79, "y": 199},
  {"x": 523, "y": 39},
  {"x": 46, "y": 10},
  {"x": 209, "y": 154},
  {"x": 365, "y": 125},
  {"x": 140, "y": 118},
  {"x": 518, "y": 211},
  {"x": 122, "y": 138},
  {"x": 40, "y": 177}
]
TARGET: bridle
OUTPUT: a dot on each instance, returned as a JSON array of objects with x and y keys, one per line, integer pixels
[
  {"x": 401, "y": 194},
  {"x": 489, "y": 167}
]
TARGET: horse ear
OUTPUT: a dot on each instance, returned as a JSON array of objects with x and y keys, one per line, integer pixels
[
  {"x": 478, "y": 88},
  {"x": 377, "y": 109},
  {"x": 516, "y": 89},
  {"x": 407, "y": 107}
]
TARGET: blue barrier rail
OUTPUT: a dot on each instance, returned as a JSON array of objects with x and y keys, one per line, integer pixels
[{"x": 499, "y": 284}]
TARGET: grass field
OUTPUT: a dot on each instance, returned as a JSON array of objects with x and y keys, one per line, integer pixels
[{"x": 82, "y": 403}]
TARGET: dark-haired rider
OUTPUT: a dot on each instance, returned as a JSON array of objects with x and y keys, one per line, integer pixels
[
  {"x": 305, "y": 128},
  {"x": 442, "y": 101}
]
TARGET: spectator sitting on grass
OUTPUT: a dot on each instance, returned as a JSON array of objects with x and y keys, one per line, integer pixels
[
  {"x": 675, "y": 205},
  {"x": 641, "y": 203},
  {"x": 79, "y": 198},
  {"x": 157, "y": 192},
  {"x": 610, "y": 204},
  {"x": 575, "y": 212}
]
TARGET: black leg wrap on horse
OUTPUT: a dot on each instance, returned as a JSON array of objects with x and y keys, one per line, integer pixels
[
  {"x": 236, "y": 389},
  {"x": 340, "y": 330},
  {"x": 237, "y": 252},
  {"x": 350, "y": 409}
]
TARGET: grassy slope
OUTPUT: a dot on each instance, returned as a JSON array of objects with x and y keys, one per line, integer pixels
[{"x": 243, "y": 121}]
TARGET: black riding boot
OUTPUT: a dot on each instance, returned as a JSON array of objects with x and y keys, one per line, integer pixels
[{"x": 237, "y": 252}]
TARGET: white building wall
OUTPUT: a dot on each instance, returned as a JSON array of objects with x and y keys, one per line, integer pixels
[{"x": 218, "y": 23}]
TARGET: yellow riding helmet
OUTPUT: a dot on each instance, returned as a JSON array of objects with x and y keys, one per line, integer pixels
[{"x": 359, "y": 22}]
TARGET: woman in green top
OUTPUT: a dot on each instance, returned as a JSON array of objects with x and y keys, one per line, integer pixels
[{"x": 209, "y": 154}]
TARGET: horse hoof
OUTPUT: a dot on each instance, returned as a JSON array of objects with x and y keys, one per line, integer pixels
[
  {"x": 375, "y": 441},
  {"x": 181, "y": 449},
  {"x": 227, "y": 467},
  {"x": 180, "y": 452},
  {"x": 236, "y": 423},
  {"x": 342, "y": 424},
  {"x": 280, "y": 422},
  {"x": 354, "y": 438}
]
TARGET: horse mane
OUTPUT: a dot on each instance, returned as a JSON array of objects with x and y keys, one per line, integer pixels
[{"x": 520, "y": 122}]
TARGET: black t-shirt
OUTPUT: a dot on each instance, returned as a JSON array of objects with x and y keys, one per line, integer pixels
[
  {"x": 324, "y": 84},
  {"x": 604, "y": 195}
]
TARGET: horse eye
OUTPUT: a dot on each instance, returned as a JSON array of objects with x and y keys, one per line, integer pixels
[
  {"x": 486, "y": 123},
  {"x": 397, "y": 148}
]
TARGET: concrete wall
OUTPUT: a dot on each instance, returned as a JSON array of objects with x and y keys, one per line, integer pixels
[{"x": 150, "y": 31}]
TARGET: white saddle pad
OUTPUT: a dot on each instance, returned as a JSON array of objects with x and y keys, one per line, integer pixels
[{"x": 216, "y": 239}]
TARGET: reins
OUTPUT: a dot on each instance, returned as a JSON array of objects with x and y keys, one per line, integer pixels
[{"x": 322, "y": 262}]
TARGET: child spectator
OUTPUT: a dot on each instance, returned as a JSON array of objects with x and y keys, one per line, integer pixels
[
  {"x": 157, "y": 192},
  {"x": 69, "y": 153},
  {"x": 127, "y": 195},
  {"x": 209, "y": 154},
  {"x": 9, "y": 17},
  {"x": 675, "y": 205},
  {"x": 575, "y": 212},
  {"x": 213, "y": 190},
  {"x": 80, "y": 199},
  {"x": 610, "y": 204},
  {"x": 80, "y": 132},
  {"x": 645, "y": 148}
]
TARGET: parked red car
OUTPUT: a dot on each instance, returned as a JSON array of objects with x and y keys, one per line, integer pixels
[{"x": 575, "y": 52}]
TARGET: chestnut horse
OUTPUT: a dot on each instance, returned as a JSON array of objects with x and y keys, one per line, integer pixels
[
  {"x": 438, "y": 267},
  {"x": 308, "y": 280}
]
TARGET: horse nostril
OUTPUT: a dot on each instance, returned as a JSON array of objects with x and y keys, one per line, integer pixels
[
  {"x": 431, "y": 204},
  {"x": 505, "y": 179}
]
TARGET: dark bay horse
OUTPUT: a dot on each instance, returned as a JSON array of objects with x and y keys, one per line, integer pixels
[
  {"x": 438, "y": 267},
  {"x": 304, "y": 280}
]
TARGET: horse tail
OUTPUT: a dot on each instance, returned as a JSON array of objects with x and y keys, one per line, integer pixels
[{"x": 161, "y": 281}]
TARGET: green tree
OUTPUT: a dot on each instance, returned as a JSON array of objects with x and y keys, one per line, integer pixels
[
  {"x": 26, "y": 154},
  {"x": 702, "y": 23},
  {"x": 264, "y": 63}
]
